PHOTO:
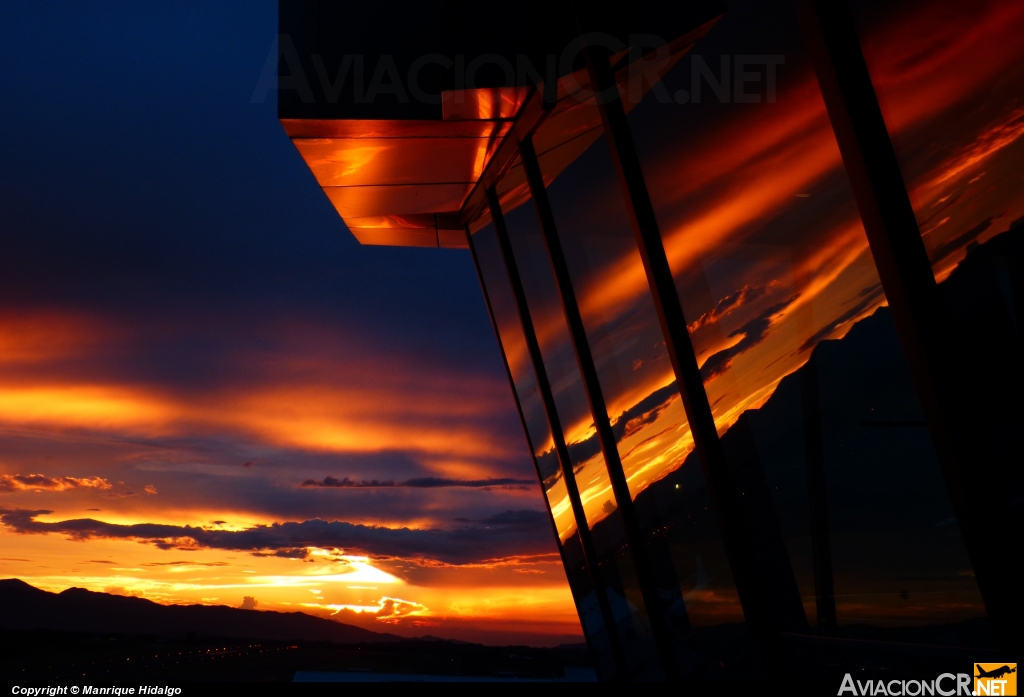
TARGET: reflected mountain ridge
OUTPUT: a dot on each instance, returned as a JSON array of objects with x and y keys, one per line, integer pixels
[{"x": 896, "y": 544}]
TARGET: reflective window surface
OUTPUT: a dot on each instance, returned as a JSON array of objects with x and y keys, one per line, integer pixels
[
  {"x": 773, "y": 267},
  {"x": 840, "y": 493},
  {"x": 950, "y": 80},
  {"x": 952, "y": 95},
  {"x": 506, "y": 316},
  {"x": 792, "y": 519},
  {"x": 588, "y": 463},
  {"x": 653, "y": 439}
]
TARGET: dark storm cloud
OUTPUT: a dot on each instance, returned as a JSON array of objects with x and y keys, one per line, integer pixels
[
  {"x": 726, "y": 305},
  {"x": 418, "y": 483},
  {"x": 625, "y": 424},
  {"x": 645, "y": 411},
  {"x": 506, "y": 534},
  {"x": 753, "y": 332}
]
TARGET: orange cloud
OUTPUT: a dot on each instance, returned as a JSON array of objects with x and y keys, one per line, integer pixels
[
  {"x": 387, "y": 610},
  {"x": 39, "y": 482},
  {"x": 97, "y": 407},
  {"x": 508, "y": 535},
  {"x": 308, "y": 402},
  {"x": 726, "y": 306}
]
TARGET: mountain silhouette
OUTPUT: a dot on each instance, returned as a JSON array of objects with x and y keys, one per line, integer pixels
[{"x": 23, "y": 606}]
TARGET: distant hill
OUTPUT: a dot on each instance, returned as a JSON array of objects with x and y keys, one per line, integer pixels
[{"x": 77, "y": 610}]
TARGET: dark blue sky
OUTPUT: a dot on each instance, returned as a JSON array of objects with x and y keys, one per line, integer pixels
[{"x": 139, "y": 178}]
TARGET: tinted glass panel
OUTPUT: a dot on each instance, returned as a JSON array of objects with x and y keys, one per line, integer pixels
[
  {"x": 511, "y": 336},
  {"x": 949, "y": 77},
  {"x": 513, "y": 342},
  {"x": 950, "y": 80},
  {"x": 616, "y": 563},
  {"x": 773, "y": 267},
  {"x": 653, "y": 439}
]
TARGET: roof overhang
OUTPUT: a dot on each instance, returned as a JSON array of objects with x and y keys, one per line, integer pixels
[{"x": 420, "y": 182}]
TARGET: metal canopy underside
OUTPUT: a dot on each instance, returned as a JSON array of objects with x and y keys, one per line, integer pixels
[{"x": 420, "y": 183}]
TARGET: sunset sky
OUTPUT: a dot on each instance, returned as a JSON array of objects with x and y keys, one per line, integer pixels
[
  {"x": 188, "y": 333},
  {"x": 210, "y": 390}
]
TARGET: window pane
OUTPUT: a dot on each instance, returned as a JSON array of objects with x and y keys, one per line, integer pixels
[
  {"x": 950, "y": 80},
  {"x": 653, "y": 439},
  {"x": 772, "y": 266},
  {"x": 616, "y": 563},
  {"x": 511, "y": 336},
  {"x": 512, "y": 340},
  {"x": 949, "y": 77}
]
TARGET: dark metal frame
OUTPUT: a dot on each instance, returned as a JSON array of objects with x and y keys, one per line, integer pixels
[
  {"x": 522, "y": 417},
  {"x": 817, "y": 497},
  {"x": 929, "y": 340},
  {"x": 721, "y": 488},
  {"x": 598, "y": 408},
  {"x": 557, "y": 434}
]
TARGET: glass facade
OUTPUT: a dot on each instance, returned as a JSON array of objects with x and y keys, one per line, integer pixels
[
  {"x": 589, "y": 467},
  {"x": 758, "y": 285},
  {"x": 688, "y": 563},
  {"x": 504, "y": 312},
  {"x": 811, "y": 394},
  {"x": 956, "y": 117},
  {"x": 770, "y": 260}
]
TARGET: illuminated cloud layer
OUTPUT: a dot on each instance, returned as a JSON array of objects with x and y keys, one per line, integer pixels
[
  {"x": 507, "y": 534},
  {"x": 39, "y": 482}
]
